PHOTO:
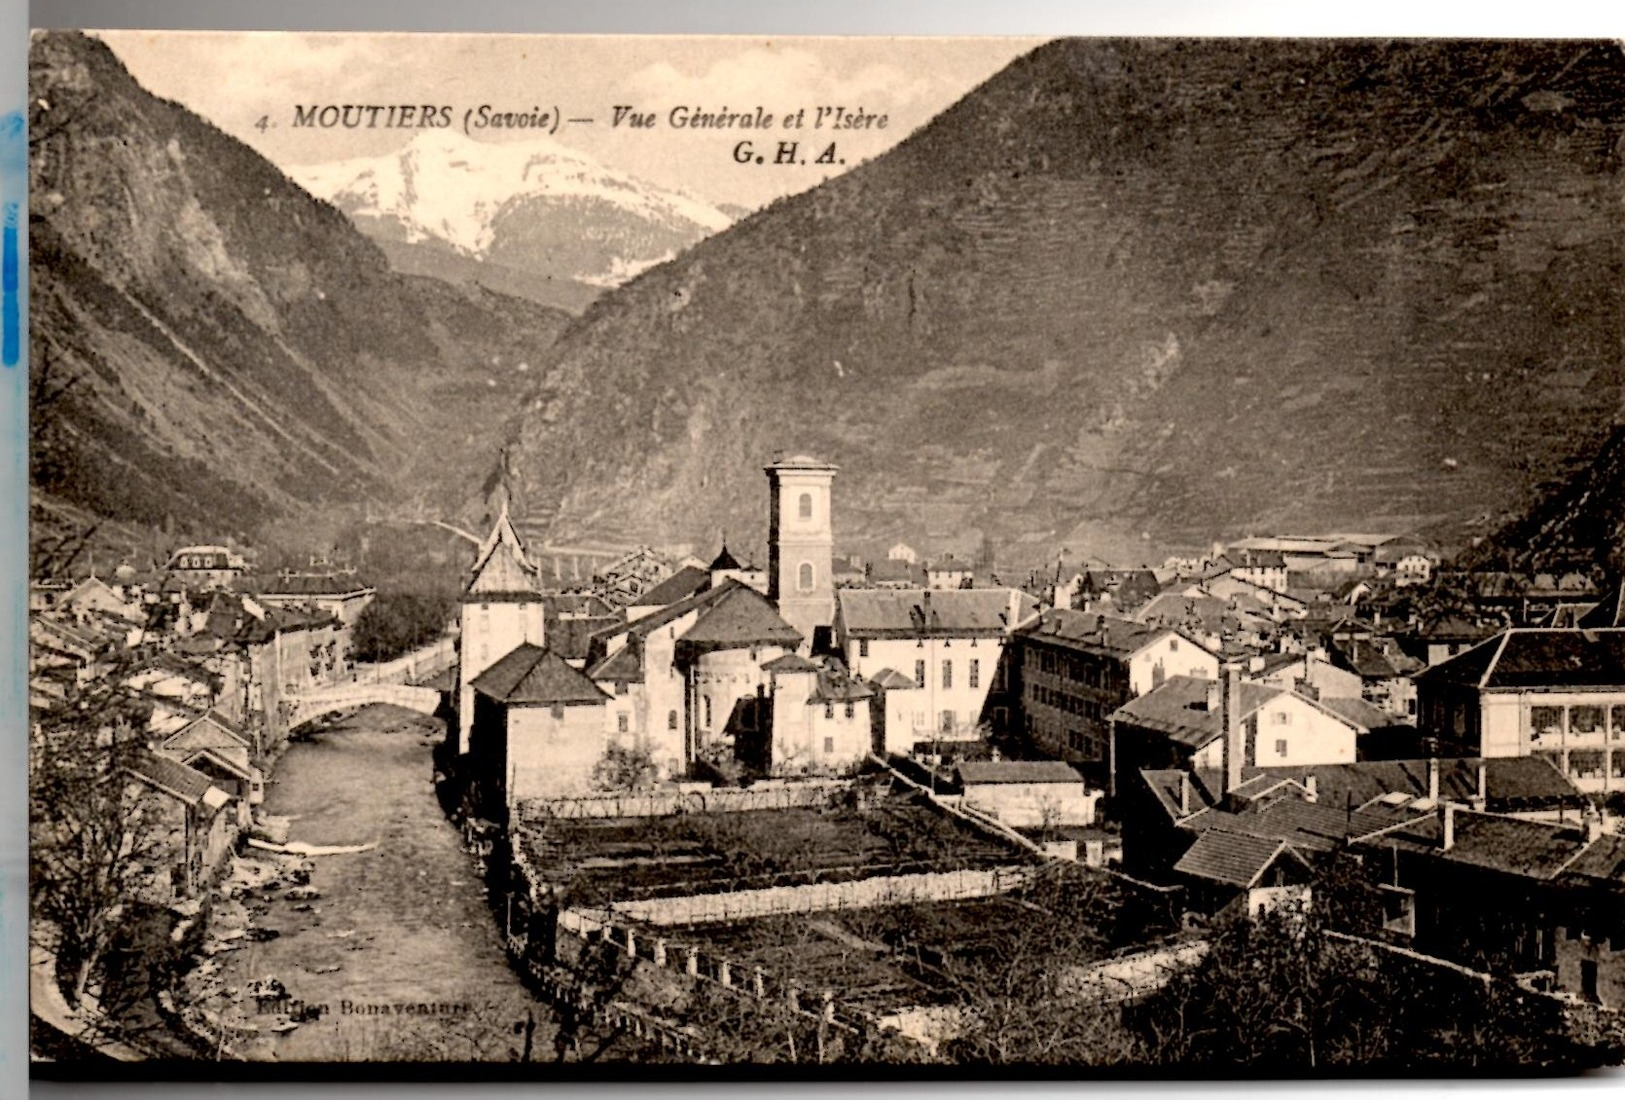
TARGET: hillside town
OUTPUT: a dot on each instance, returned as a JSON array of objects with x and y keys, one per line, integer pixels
[{"x": 799, "y": 798}]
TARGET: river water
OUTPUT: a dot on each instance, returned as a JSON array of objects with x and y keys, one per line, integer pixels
[{"x": 400, "y": 950}]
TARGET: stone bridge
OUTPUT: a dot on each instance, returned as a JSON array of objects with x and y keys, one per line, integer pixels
[{"x": 311, "y": 705}]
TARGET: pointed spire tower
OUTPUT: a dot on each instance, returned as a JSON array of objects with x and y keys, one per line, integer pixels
[{"x": 502, "y": 609}]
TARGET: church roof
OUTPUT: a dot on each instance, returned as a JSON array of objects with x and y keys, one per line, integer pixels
[
  {"x": 678, "y": 587},
  {"x": 532, "y": 674},
  {"x": 501, "y": 569},
  {"x": 724, "y": 560},
  {"x": 740, "y": 616}
]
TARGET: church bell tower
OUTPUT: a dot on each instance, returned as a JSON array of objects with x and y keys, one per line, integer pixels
[{"x": 801, "y": 543}]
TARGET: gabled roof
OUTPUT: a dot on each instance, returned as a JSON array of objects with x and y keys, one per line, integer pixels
[
  {"x": 1091, "y": 633},
  {"x": 533, "y": 675},
  {"x": 1204, "y": 611},
  {"x": 502, "y": 575},
  {"x": 1360, "y": 713},
  {"x": 209, "y": 729},
  {"x": 739, "y": 617},
  {"x": 896, "y": 571},
  {"x": 1178, "y": 707},
  {"x": 572, "y": 638},
  {"x": 195, "y": 758},
  {"x": 1375, "y": 658},
  {"x": 1609, "y": 611},
  {"x": 625, "y": 665},
  {"x": 834, "y": 686},
  {"x": 501, "y": 571},
  {"x": 682, "y": 584},
  {"x": 175, "y": 779},
  {"x": 791, "y": 662},
  {"x": 891, "y": 679},
  {"x": 1514, "y": 782},
  {"x": 958, "y": 612},
  {"x": 1231, "y": 859},
  {"x": 1530, "y": 849},
  {"x": 502, "y": 533},
  {"x": 976, "y": 772},
  {"x": 1536, "y": 657}
]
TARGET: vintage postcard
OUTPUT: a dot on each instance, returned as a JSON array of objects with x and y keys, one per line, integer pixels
[{"x": 580, "y": 556}]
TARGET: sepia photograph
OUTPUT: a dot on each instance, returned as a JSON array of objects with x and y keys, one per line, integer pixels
[{"x": 572, "y": 557}]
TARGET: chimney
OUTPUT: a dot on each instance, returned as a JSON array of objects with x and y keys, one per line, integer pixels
[
  {"x": 1214, "y": 701},
  {"x": 1312, "y": 786},
  {"x": 1449, "y": 825},
  {"x": 1184, "y": 793},
  {"x": 1593, "y": 824},
  {"x": 1483, "y": 799},
  {"x": 1230, "y": 708},
  {"x": 1015, "y": 609},
  {"x": 1433, "y": 779}
]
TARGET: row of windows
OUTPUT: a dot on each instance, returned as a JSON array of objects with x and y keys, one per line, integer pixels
[
  {"x": 973, "y": 679},
  {"x": 1087, "y": 745},
  {"x": 829, "y": 712},
  {"x": 1071, "y": 704},
  {"x": 1549, "y": 722},
  {"x": 1072, "y": 666}
]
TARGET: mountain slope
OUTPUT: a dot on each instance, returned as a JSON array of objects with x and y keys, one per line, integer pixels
[
  {"x": 210, "y": 344},
  {"x": 1579, "y": 525},
  {"x": 1171, "y": 289},
  {"x": 532, "y": 212}
]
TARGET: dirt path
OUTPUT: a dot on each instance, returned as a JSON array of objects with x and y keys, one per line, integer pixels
[{"x": 421, "y": 972}]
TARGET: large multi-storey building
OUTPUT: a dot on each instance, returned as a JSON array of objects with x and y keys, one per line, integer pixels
[{"x": 1076, "y": 669}]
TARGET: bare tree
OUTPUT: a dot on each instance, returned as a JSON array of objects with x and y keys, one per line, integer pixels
[{"x": 91, "y": 833}]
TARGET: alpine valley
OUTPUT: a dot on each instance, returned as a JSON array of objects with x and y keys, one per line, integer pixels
[{"x": 1125, "y": 296}]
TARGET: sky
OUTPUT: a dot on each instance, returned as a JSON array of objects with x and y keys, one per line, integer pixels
[{"x": 239, "y": 80}]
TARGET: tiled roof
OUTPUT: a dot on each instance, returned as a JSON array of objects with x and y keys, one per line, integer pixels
[
  {"x": 1531, "y": 849},
  {"x": 1511, "y": 782},
  {"x": 1609, "y": 611},
  {"x": 1166, "y": 785},
  {"x": 1018, "y": 771},
  {"x": 960, "y": 612},
  {"x": 1232, "y": 859},
  {"x": 1179, "y": 708},
  {"x": 311, "y": 584},
  {"x": 1360, "y": 713},
  {"x": 891, "y": 679},
  {"x": 211, "y": 728},
  {"x": 1205, "y": 612},
  {"x": 679, "y": 586},
  {"x": 835, "y": 687},
  {"x": 571, "y": 638},
  {"x": 740, "y": 616},
  {"x": 791, "y": 662},
  {"x": 534, "y": 675},
  {"x": 1535, "y": 657},
  {"x": 889, "y": 571},
  {"x": 1375, "y": 659},
  {"x": 171, "y": 776},
  {"x": 1603, "y": 859},
  {"x": 1093, "y": 633},
  {"x": 576, "y": 603},
  {"x": 624, "y": 665}
]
